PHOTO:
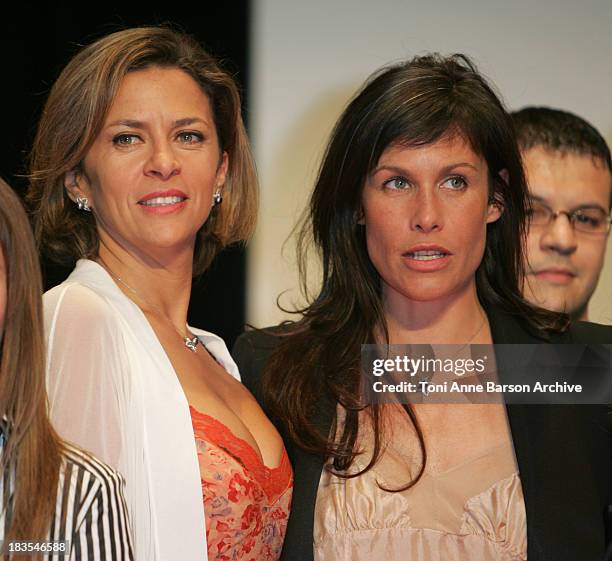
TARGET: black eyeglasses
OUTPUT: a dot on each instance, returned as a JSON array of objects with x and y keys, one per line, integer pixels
[{"x": 587, "y": 220}]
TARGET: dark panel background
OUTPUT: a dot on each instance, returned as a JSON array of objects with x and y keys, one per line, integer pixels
[{"x": 36, "y": 42}]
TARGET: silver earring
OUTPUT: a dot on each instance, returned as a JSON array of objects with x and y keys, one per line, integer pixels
[
  {"x": 217, "y": 198},
  {"x": 83, "y": 204}
]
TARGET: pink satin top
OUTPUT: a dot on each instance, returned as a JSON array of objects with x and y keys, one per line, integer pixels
[
  {"x": 472, "y": 510},
  {"x": 245, "y": 502}
]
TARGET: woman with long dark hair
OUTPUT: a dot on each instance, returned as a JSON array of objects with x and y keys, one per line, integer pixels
[
  {"x": 51, "y": 492},
  {"x": 418, "y": 215}
]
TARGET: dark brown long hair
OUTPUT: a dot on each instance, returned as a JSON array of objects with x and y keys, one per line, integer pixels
[
  {"x": 32, "y": 449},
  {"x": 414, "y": 103}
]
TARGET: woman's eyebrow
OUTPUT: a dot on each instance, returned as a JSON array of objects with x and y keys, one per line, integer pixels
[
  {"x": 132, "y": 123},
  {"x": 391, "y": 168},
  {"x": 404, "y": 171},
  {"x": 451, "y": 167},
  {"x": 136, "y": 124},
  {"x": 189, "y": 121}
]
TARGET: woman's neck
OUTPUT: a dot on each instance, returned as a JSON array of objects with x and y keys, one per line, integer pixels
[
  {"x": 159, "y": 284},
  {"x": 457, "y": 319}
]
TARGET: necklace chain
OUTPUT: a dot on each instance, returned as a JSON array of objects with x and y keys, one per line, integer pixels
[
  {"x": 190, "y": 342},
  {"x": 482, "y": 323},
  {"x": 464, "y": 345},
  {"x": 469, "y": 341}
]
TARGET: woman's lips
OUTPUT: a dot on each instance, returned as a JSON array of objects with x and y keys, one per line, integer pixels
[
  {"x": 427, "y": 258},
  {"x": 555, "y": 276},
  {"x": 163, "y": 202}
]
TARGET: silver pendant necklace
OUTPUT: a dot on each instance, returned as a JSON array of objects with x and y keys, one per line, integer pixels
[{"x": 190, "y": 342}]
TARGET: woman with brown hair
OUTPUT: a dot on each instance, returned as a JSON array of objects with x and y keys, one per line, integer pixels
[
  {"x": 57, "y": 492},
  {"x": 419, "y": 215},
  {"x": 141, "y": 169}
]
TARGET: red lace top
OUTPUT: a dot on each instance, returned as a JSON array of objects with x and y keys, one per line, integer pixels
[{"x": 246, "y": 503}]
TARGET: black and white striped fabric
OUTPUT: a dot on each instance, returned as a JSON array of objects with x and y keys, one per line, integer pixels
[{"x": 90, "y": 512}]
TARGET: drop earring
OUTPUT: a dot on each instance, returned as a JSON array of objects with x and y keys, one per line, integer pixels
[{"x": 217, "y": 198}]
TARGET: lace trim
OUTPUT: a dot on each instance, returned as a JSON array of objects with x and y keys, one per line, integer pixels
[{"x": 273, "y": 481}]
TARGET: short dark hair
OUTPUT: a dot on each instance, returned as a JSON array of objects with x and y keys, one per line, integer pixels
[{"x": 559, "y": 131}]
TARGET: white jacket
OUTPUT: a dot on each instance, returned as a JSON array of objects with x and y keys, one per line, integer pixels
[{"x": 113, "y": 391}]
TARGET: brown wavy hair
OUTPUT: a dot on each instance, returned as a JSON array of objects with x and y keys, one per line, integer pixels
[
  {"x": 74, "y": 115},
  {"x": 414, "y": 103},
  {"x": 32, "y": 448}
]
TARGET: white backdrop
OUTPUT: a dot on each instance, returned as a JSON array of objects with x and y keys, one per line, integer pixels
[{"x": 308, "y": 58}]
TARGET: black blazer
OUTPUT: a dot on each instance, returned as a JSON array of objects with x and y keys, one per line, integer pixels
[{"x": 562, "y": 452}]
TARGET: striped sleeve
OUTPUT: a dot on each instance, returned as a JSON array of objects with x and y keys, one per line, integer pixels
[
  {"x": 90, "y": 510},
  {"x": 93, "y": 511}
]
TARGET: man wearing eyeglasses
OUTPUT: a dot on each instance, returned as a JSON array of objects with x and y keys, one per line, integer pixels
[{"x": 569, "y": 173}]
